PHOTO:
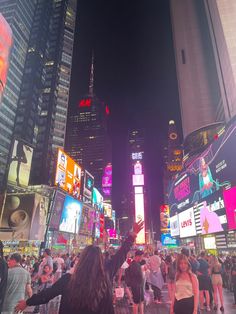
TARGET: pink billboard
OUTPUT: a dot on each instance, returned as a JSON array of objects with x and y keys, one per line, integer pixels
[
  {"x": 107, "y": 180},
  {"x": 230, "y": 205},
  {"x": 5, "y": 46}
]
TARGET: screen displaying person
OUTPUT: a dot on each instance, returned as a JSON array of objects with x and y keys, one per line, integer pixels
[{"x": 205, "y": 179}]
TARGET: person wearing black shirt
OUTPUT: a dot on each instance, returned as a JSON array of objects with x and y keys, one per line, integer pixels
[
  {"x": 89, "y": 289},
  {"x": 233, "y": 274}
]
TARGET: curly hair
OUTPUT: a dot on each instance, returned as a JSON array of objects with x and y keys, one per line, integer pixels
[{"x": 89, "y": 283}]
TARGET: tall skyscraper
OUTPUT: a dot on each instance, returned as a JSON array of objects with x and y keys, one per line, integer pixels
[
  {"x": 222, "y": 22},
  {"x": 87, "y": 138},
  {"x": 42, "y": 106},
  {"x": 19, "y": 15},
  {"x": 199, "y": 88},
  {"x": 173, "y": 156}
]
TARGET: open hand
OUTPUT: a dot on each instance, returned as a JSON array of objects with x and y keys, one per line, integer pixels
[
  {"x": 138, "y": 226},
  {"x": 21, "y": 306}
]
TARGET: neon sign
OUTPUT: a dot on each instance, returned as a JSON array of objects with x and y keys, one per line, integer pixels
[{"x": 85, "y": 102}]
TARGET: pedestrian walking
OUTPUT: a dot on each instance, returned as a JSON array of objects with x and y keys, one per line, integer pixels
[
  {"x": 217, "y": 282},
  {"x": 3, "y": 276}
]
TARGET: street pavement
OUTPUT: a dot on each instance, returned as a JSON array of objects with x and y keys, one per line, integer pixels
[{"x": 122, "y": 306}]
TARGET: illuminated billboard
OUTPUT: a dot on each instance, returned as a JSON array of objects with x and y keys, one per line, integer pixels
[
  {"x": 209, "y": 172},
  {"x": 167, "y": 240},
  {"x": 68, "y": 174},
  {"x": 230, "y": 205},
  {"x": 165, "y": 218},
  {"x": 97, "y": 199},
  {"x": 87, "y": 220},
  {"x": 5, "y": 47},
  {"x": 20, "y": 163},
  {"x": 107, "y": 180},
  {"x": 139, "y": 215},
  {"x": 174, "y": 226},
  {"x": 56, "y": 210},
  {"x": 187, "y": 223},
  {"x": 209, "y": 243},
  {"x": 24, "y": 217},
  {"x": 107, "y": 210},
  {"x": 88, "y": 185},
  {"x": 71, "y": 215},
  {"x": 138, "y": 179}
]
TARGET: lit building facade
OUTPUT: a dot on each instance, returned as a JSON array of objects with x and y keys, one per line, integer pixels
[
  {"x": 173, "y": 156},
  {"x": 199, "y": 88},
  {"x": 222, "y": 22},
  {"x": 19, "y": 15},
  {"x": 43, "y": 102}
]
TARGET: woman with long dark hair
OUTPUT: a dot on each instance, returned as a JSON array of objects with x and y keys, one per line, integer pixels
[
  {"x": 186, "y": 291},
  {"x": 89, "y": 289}
]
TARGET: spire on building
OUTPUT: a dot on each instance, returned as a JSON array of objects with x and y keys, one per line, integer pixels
[{"x": 91, "y": 78}]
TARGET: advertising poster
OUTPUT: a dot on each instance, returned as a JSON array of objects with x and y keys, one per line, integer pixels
[
  {"x": 87, "y": 220},
  {"x": 68, "y": 174},
  {"x": 88, "y": 185},
  {"x": 102, "y": 226},
  {"x": 230, "y": 205},
  {"x": 97, "y": 224},
  {"x": 97, "y": 200},
  {"x": 210, "y": 215},
  {"x": 165, "y": 219},
  {"x": 24, "y": 217},
  {"x": 167, "y": 240},
  {"x": 57, "y": 208},
  {"x": 174, "y": 226},
  {"x": 107, "y": 180},
  {"x": 107, "y": 210},
  {"x": 211, "y": 171},
  {"x": 5, "y": 47},
  {"x": 139, "y": 215},
  {"x": 71, "y": 215},
  {"x": 20, "y": 163},
  {"x": 210, "y": 243},
  {"x": 187, "y": 223}
]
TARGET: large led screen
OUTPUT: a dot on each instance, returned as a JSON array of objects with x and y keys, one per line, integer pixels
[
  {"x": 71, "y": 215},
  {"x": 209, "y": 172},
  {"x": 187, "y": 224},
  {"x": 167, "y": 240},
  {"x": 88, "y": 185},
  {"x": 139, "y": 215},
  {"x": 107, "y": 180},
  {"x": 174, "y": 226},
  {"x": 210, "y": 216},
  {"x": 20, "y": 163},
  {"x": 165, "y": 218},
  {"x": 56, "y": 210},
  {"x": 68, "y": 174},
  {"x": 97, "y": 199},
  {"x": 5, "y": 46},
  {"x": 230, "y": 205},
  {"x": 87, "y": 220},
  {"x": 24, "y": 217}
]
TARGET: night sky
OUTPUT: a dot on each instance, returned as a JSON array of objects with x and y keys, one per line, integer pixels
[{"x": 134, "y": 73}]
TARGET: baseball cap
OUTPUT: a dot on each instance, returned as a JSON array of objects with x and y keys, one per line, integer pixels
[{"x": 139, "y": 253}]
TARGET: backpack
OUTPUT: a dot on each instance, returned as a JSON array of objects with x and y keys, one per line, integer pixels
[{"x": 171, "y": 271}]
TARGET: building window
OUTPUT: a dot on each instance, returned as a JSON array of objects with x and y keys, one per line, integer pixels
[{"x": 183, "y": 56}]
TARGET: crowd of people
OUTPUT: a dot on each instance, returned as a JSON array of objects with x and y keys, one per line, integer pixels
[{"x": 87, "y": 282}]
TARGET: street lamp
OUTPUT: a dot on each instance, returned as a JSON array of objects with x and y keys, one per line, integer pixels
[{"x": 118, "y": 224}]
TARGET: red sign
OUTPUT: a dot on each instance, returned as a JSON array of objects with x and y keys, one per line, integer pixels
[
  {"x": 85, "y": 102},
  {"x": 102, "y": 225}
]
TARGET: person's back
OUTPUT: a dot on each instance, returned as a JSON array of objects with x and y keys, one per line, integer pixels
[
  {"x": 3, "y": 280},
  {"x": 18, "y": 279},
  {"x": 135, "y": 274}
]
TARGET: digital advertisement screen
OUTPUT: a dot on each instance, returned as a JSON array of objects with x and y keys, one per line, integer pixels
[
  {"x": 68, "y": 174},
  {"x": 102, "y": 225},
  {"x": 57, "y": 207},
  {"x": 20, "y": 163},
  {"x": 187, "y": 224},
  {"x": 24, "y": 217},
  {"x": 97, "y": 224},
  {"x": 107, "y": 180},
  {"x": 71, "y": 215},
  {"x": 167, "y": 240},
  {"x": 5, "y": 47},
  {"x": 165, "y": 218},
  {"x": 138, "y": 179},
  {"x": 210, "y": 215},
  {"x": 230, "y": 205},
  {"x": 97, "y": 199},
  {"x": 139, "y": 215},
  {"x": 210, "y": 243},
  {"x": 174, "y": 226},
  {"x": 211, "y": 171},
  {"x": 107, "y": 210},
  {"x": 87, "y": 220},
  {"x": 88, "y": 185},
  {"x": 111, "y": 233}
]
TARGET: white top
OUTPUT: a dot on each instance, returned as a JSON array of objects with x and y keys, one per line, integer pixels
[{"x": 183, "y": 289}]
